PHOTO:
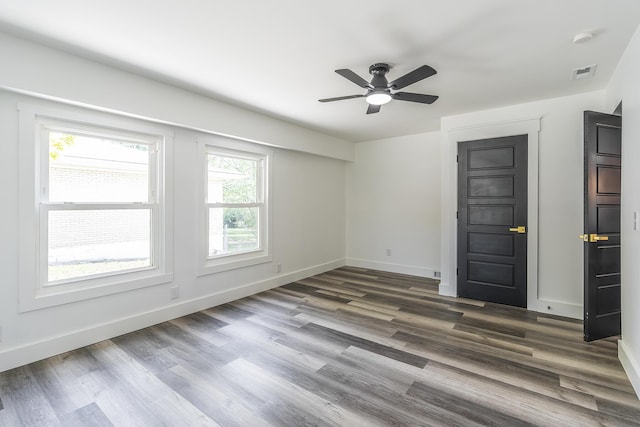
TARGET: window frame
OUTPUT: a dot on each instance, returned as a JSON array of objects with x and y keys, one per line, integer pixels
[
  {"x": 34, "y": 123},
  {"x": 224, "y": 146}
]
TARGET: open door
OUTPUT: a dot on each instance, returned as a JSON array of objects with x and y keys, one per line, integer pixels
[{"x": 602, "y": 160}]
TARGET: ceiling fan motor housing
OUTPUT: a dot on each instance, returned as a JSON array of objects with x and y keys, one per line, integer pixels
[{"x": 378, "y": 72}]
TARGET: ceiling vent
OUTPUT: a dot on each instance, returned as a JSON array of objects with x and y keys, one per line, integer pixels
[{"x": 583, "y": 72}]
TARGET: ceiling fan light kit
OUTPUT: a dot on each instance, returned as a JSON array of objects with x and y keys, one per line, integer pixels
[
  {"x": 378, "y": 97},
  {"x": 379, "y": 89}
]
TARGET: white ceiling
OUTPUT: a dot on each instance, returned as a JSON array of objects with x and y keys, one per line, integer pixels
[{"x": 278, "y": 57}]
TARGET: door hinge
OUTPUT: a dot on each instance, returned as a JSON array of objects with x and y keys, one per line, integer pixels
[
  {"x": 457, "y": 215},
  {"x": 457, "y": 159},
  {"x": 456, "y": 271}
]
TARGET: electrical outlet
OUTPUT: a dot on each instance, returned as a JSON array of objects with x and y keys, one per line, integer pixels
[
  {"x": 175, "y": 292},
  {"x": 388, "y": 252},
  {"x": 278, "y": 268},
  {"x": 437, "y": 274}
]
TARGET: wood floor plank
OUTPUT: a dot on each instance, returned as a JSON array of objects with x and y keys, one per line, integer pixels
[
  {"x": 504, "y": 371},
  {"x": 349, "y": 322},
  {"x": 349, "y": 347},
  {"x": 22, "y": 393},
  {"x": 492, "y": 341},
  {"x": 141, "y": 393},
  {"x": 63, "y": 392},
  {"x": 222, "y": 405},
  {"x": 481, "y": 414},
  {"x": 624, "y": 413},
  {"x": 626, "y": 396},
  {"x": 393, "y": 407},
  {"x": 508, "y": 399},
  {"x": 204, "y": 332},
  {"x": 90, "y": 414},
  {"x": 310, "y": 404},
  {"x": 373, "y": 346}
]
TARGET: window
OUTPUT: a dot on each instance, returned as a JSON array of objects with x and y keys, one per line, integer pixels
[
  {"x": 98, "y": 198},
  {"x": 234, "y": 218}
]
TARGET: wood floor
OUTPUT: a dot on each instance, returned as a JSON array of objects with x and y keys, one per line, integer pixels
[{"x": 350, "y": 347}]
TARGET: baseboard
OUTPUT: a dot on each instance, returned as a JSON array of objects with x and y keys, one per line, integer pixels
[
  {"x": 25, "y": 354},
  {"x": 392, "y": 268},
  {"x": 630, "y": 366},
  {"x": 573, "y": 311},
  {"x": 446, "y": 290}
]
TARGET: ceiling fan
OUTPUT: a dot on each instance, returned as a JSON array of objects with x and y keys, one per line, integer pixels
[{"x": 379, "y": 89}]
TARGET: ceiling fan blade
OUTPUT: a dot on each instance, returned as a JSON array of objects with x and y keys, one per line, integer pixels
[
  {"x": 373, "y": 108},
  {"x": 416, "y": 75},
  {"x": 414, "y": 97},
  {"x": 350, "y": 75},
  {"x": 340, "y": 98}
]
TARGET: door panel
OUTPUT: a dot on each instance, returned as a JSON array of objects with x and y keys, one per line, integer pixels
[
  {"x": 608, "y": 180},
  {"x": 491, "y": 158},
  {"x": 609, "y": 141},
  {"x": 492, "y": 186},
  {"x": 602, "y": 160},
  {"x": 608, "y": 219},
  {"x": 608, "y": 260},
  {"x": 492, "y": 198},
  {"x": 491, "y": 215},
  {"x": 490, "y": 244},
  {"x": 490, "y": 273},
  {"x": 609, "y": 299}
]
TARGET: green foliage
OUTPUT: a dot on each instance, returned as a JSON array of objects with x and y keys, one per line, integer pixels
[
  {"x": 58, "y": 142},
  {"x": 240, "y": 187},
  {"x": 135, "y": 146},
  {"x": 240, "y": 217}
]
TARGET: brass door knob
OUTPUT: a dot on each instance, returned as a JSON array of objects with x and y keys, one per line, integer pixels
[{"x": 521, "y": 229}]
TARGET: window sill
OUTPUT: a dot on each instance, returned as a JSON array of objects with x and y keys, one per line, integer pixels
[
  {"x": 54, "y": 295},
  {"x": 227, "y": 263}
]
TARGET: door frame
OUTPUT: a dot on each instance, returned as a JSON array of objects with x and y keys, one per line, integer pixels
[{"x": 449, "y": 250}]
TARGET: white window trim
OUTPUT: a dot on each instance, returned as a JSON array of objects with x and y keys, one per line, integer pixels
[
  {"x": 229, "y": 146},
  {"x": 33, "y": 294}
]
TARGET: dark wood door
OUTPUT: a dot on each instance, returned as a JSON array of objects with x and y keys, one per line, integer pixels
[
  {"x": 602, "y": 158},
  {"x": 492, "y": 205}
]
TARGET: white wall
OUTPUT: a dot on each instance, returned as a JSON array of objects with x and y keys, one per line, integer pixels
[
  {"x": 40, "y": 70},
  {"x": 560, "y": 183},
  {"x": 393, "y": 202},
  {"x": 308, "y": 231},
  {"x": 625, "y": 86}
]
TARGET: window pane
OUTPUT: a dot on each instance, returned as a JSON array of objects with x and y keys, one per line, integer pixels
[
  {"x": 232, "y": 230},
  {"x": 231, "y": 179},
  {"x": 93, "y": 169},
  {"x": 88, "y": 242}
]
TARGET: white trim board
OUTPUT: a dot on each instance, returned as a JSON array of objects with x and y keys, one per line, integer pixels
[
  {"x": 450, "y": 139},
  {"x": 630, "y": 367},
  {"x": 559, "y": 308},
  {"x": 18, "y": 356},
  {"x": 412, "y": 270}
]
